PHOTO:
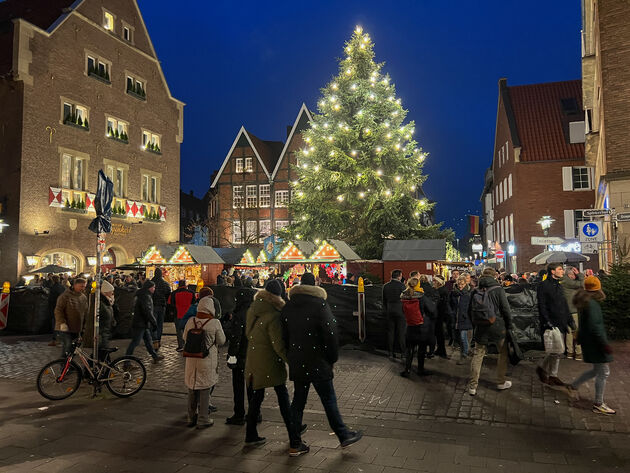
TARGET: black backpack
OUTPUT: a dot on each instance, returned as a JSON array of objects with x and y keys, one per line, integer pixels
[
  {"x": 195, "y": 346},
  {"x": 482, "y": 309}
]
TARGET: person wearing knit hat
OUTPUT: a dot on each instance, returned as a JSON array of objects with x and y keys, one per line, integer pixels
[
  {"x": 201, "y": 374},
  {"x": 307, "y": 279},
  {"x": 592, "y": 337},
  {"x": 106, "y": 321}
]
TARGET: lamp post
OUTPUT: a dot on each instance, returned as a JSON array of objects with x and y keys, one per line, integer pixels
[{"x": 545, "y": 223}]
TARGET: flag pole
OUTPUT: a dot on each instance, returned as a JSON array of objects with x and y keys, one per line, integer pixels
[{"x": 97, "y": 299}]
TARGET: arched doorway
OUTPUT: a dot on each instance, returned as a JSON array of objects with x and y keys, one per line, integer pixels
[
  {"x": 63, "y": 257},
  {"x": 113, "y": 256}
]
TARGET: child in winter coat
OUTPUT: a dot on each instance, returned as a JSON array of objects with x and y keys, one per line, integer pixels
[{"x": 202, "y": 374}]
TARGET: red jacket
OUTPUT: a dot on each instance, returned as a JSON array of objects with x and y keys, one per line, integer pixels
[
  {"x": 182, "y": 299},
  {"x": 413, "y": 315}
]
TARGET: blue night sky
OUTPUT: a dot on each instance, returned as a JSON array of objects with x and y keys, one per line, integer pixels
[{"x": 253, "y": 63}]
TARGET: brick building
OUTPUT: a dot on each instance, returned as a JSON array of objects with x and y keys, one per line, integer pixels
[
  {"x": 538, "y": 169},
  {"x": 606, "y": 81},
  {"x": 193, "y": 222},
  {"x": 82, "y": 89},
  {"x": 252, "y": 189}
]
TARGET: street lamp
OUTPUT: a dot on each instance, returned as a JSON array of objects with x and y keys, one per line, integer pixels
[{"x": 545, "y": 223}]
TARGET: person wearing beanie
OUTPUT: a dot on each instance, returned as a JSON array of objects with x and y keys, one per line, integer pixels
[
  {"x": 70, "y": 313},
  {"x": 265, "y": 364},
  {"x": 595, "y": 346},
  {"x": 310, "y": 337},
  {"x": 201, "y": 374},
  {"x": 106, "y": 320},
  {"x": 144, "y": 321}
]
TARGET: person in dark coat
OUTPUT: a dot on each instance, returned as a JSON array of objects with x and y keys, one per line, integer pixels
[
  {"x": 237, "y": 353},
  {"x": 420, "y": 315},
  {"x": 459, "y": 300},
  {"x": 56, "y": 289},
  {"x": 160, "y": 297},
  {"x": 592, "y": 337},
  {"x": 396, "y": 325},
  {"x": 106, "y": 320},
  {"x": 310, "y": 336},
  {"x": 493, "y": 334},
  {"x": 444, "y": 316},
  {"x": 553, "y": 311},
  {"x": 144, "y": 320}
]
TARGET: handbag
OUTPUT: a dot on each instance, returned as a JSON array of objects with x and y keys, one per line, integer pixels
[{"x": 554, "y": 343}]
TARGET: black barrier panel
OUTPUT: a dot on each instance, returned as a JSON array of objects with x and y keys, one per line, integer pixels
[
  {"x": 28, "y": 311},
  {"x": 125, "y": 298}
]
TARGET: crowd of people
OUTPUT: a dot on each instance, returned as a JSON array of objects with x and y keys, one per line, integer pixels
[{"x": 470, "y": 312}]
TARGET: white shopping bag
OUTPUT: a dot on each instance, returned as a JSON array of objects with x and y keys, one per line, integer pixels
[{"x": 553, "y": 341}]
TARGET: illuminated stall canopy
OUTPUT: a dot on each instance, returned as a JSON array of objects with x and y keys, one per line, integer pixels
[{"x": 152, "y": 256}]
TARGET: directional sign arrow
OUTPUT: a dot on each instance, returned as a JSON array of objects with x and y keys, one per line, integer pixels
[{"x": 623, "y": 217}]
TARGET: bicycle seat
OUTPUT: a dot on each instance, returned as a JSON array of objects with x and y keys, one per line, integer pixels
[{"x": 108, "y": 350}]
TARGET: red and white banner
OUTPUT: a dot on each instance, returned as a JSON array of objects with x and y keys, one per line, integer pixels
[
  {"x": 89, "y": 202},
  {"x": 55, "y": 197},
  {"x": 162, "y": 213},
  {"x": 4, "y": 310},
  {"x": 134, "y": 209}
]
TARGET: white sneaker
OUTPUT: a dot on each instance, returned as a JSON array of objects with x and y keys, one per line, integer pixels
[
  {"x": 472, "y": 391},
  {"x": 506, "y": 385}
]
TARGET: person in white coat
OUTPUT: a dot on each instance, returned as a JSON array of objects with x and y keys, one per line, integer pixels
[{"x": 203, "y": 373}]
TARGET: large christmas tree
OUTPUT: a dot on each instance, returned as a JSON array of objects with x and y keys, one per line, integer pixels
[{"x": 360, "y": 172}]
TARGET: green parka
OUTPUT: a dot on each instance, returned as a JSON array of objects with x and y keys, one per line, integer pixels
[
  {"x": 266, "y": 351},
  {"x": 592, "y": 334}
]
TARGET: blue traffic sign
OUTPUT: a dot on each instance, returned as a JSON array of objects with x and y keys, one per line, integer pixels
[{"x": 590, "y": 229}]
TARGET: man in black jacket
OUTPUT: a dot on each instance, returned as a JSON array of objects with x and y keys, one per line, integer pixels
[
  {"x": 143, "y": 320},
  {"x": 237, "y": 352},
  {"x": 160, "y": 296},
  {"x": 310, "y": 335},
  {"x": 553, "y": 312},
  {"x": 396, "y": 324}
]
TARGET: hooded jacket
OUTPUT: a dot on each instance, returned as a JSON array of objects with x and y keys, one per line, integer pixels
[
  {"x": 162, "y": 289},
  {"x": 494, "y": 333},
  {"x": 459, "y": 301},
  {"x": 143, "y": 309},
  {"x": 237, "y": 340},
  {"x": 266, "y": 353},
  {"x": 552, "y": 305},
  {"x": 310, "y": 335},
  {"x": 425, "y": 333}
]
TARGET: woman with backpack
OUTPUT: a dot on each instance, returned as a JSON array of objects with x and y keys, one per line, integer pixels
[
  {"x": 459, "y": 301},
  {"x": 202, "y": 335},
  {"x": 420, "y": 314},
  {"x": 592, "y": 337}
]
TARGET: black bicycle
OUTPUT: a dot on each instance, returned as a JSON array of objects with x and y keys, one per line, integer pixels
[{"x": 61, "y": 378}]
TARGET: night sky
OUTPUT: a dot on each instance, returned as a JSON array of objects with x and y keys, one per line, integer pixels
[{"x": 253, "y": 63}]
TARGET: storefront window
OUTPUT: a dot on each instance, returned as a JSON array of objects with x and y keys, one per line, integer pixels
[{"x": 62, "y": 259}]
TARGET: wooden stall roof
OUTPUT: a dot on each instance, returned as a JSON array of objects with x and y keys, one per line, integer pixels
[{"x": 414, "y": 250}]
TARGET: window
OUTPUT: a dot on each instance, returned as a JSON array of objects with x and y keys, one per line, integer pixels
[
  {"x": 280, "y": 224},
  {"x": 264, "y": 229},
  {"x": 249, "y": 164},
  {"x": 98, "y": 68},
  {"x": 108, "y": 21},
  {"x": 118, "y": 175},
  {"x": 251, "y": 230},
  {"x": 511, "y": 227},
  {"x": 74, "y": 114},
  {"x": 510, "y": 185},
  {"x": 117, "y": 129},
  {"x": 505, "y": 190},
  {"x": 136, "y": 87},
  {"x": 282, "y": 198},
  {"x": 571, "y": 222},
  {"x": 500, "y": 192},
  {"x": 239, "y": 165},
  {"x": 577, "y": 178},
  {"x": 73, "y": 172},
  {"x": 264, "y": 196},
  {"x": 237, "y": 234},
  {"x": 251, "y": 197},
  {"x": 150, "y": 188},
  {"x": 126, "y": 34},
  {"x": 151, "y": 141},
  {"x": 237, "y": 197}
]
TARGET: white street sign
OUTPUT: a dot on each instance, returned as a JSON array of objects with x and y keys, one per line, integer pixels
[
  {"x": 590, "y": 248},
  {"x": 596, "y": 212},
  {"x": 544, "y": 241},
  {"x": 591, "y": 232},
  {"x": 623, "y": 217}
]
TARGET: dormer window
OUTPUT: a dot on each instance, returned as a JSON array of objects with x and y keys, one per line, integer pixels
[
  {"x": 126, "y": 34},
  {"x": 108, "y": 21}
]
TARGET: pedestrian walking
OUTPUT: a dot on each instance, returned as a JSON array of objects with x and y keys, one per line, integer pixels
[
  {"x": 490, "y": 313},
  {"x": 265, "y": 364},
  {"x": 160, "y": 296},
  {"x": 70, "y": 312},
  {"x": 56, "y": 289},
  {"x": 554, "y": 312},
  {"x": 310, "y": 335},
  {"x": 420, "y": 315},
  {"x": 571, "y": 283},
  {"x": 459, "y": 302},
  {"x": 202, "y": 373},
  {"x": 182, "y": 298},
  {"x": 396, "y": 325},
  {"x": 143, "y": 321},
  {"x": 592, "y": 337}
]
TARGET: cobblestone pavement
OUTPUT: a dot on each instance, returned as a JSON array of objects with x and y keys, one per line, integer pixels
[{"x": 369, "y": 385}]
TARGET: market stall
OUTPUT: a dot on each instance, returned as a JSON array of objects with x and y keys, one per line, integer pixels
[
  {"x": 191, "y": 263},
  {"x": 413, "y": 255}
]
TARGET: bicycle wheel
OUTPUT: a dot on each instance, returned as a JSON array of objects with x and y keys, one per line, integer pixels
[
  {"x": 48, "y": 383},
  {"x": 126, "y": 376}
]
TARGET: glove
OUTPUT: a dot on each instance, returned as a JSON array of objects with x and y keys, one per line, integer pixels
[
  {"x": 548, "y": 326},
  {"x": 608, "y": 349},
  {"x": 64, "y": 328},
  {"x": 231, "y": 362}
]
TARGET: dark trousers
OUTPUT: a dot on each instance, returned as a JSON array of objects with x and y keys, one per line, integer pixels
[
  {"x": 439, "y": 338},
  {"x": 326, "y": 392},
  {"x": 139, "y": 334},
  {"x": 421, "y": 348},
  {"x": 258, "y": 396},
  {"x": 238, "y": 389},
  {"x": 158, "y": 312},
  {"x": 396, "y": 330},
  {"x": 66, "y": 339}
]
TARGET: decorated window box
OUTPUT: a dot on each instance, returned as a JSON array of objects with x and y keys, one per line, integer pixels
[
  {"x": 120, "y": 137},
  {"x": 140, "y": 94},
  {"x": 99, "y": 77},
  {"x": 152, "y": 148},
  {"x": 75, "y": 210},
  {"x": 77, "y": 123}
]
